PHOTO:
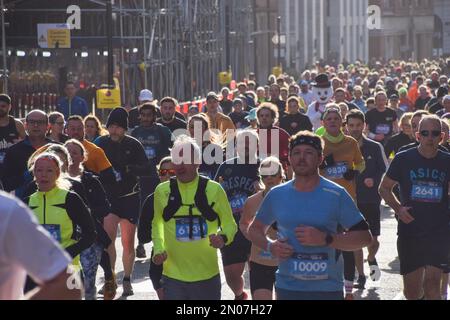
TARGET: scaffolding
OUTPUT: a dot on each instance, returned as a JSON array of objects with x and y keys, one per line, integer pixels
[{"x": 172, "y": 47}]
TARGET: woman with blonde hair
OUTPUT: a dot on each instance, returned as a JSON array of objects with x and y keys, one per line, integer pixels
[
  {"x": 93, "y": 128},
  {"x": 262, "y": 265},
  {"x": 60, "y": 211}
]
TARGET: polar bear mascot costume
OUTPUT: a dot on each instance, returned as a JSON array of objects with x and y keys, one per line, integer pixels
[{"x": 323, "y": 93}]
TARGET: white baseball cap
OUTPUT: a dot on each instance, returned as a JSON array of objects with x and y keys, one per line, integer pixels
[{"x": 145, "y": 95}]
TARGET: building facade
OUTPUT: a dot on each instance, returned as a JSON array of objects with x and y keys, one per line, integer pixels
[
  {"x": 406, "y": 30},
  {"x": 332, "y": 30},
  {"x": 442, "y": 27}
]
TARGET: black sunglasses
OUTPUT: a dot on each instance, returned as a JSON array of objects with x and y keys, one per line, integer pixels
[{"x": 434, "y": 133}]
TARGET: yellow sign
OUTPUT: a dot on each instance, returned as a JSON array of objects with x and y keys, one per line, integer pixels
[
  {"x": 58, "y": 38},
  {"x": 277, "y": 71},
  {"x": 225, "y": 78},
  {"x": 108, "y": 98}
]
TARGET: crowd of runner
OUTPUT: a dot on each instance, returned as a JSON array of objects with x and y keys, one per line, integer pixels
[{"x": 288, "y": 178}]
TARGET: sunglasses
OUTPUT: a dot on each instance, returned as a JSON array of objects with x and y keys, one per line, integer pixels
[
  {"x": 270, "y": 176},
  {"x": 434, "y": 133},
  {"x": 165, "y": 172}
]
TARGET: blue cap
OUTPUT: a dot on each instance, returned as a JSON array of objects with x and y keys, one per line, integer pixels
[
  {"x": 252, "y": 115},
  {"x": 304, "y": 83}
]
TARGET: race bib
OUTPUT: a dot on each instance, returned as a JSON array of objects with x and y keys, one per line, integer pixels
[
  {"x": 383, "y": 129},
  {"x": 427, "y": 192},
  {"x": 337, "y": 171},
  {"x": 54, "y": 230},
  {"x": 150, "y": 152},
  {"x": 309, "y": 267},
  {"x": 182, "y": 229},
  {"x": 237, "y": 203}
]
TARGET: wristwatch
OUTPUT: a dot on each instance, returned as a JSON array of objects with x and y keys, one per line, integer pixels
[{"x": 329, "y": 239}]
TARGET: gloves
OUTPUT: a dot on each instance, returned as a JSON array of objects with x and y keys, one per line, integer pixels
[
  {"x": 351, "y": 174},
  {"x": 328, "y": 162}
]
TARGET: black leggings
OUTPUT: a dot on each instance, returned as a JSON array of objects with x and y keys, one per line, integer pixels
[
  {"x": 349, "y": 265},
  {"x": 155, "y": 274}
]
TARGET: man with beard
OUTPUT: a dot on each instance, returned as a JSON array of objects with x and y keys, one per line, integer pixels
[
  {"x": 367, "y": 197},
  {"x": 128, "y": 158},
  {"x": 11, "y": 130},
  {"x": 156, "y": 140},
  {"x": 308, "y": 211},
  {"x": 168, "y": 118}
]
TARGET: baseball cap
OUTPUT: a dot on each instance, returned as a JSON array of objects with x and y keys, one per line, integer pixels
[
  {"x": 212, "y": 95},
  {"x": 146, "y": 95}
]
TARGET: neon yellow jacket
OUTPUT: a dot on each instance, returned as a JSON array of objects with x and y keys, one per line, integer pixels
[{"x": 196, "y": 260}]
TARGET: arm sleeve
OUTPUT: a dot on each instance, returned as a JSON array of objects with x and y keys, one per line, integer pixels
[
  {"x": 30, "y": 246},
  {"x": 80, "y": 216},
  {"x": 158, "y": 222},
  {"x": 141, "y": 166},
  {"x": 223, "y": 209},
  {"x": 145, "y": 221},
  {"x": 99, "y": 204}
]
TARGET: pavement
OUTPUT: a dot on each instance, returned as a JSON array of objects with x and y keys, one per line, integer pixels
[{"x": 388, "y": 288}]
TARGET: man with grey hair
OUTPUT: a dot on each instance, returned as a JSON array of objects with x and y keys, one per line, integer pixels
[
  {"x": 423, "y": 175},
  {"x": 16, "y": 175},
  {"x": 192, "y": 220}
]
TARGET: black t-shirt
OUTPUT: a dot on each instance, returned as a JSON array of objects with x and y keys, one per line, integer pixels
[
  {"x": 239, "y": 119},
  {"x": 227, "y": 106},
  {"x": 421, "y": 103},
  {"x": 281, "y": 107},
  {"x": 174, "y": 125},
  {"x": 9, "y": 136},
  {"x": 424, "y": 186},
  {"x": 133, "y": 116},
  {"x": 435, "y": 108},
  {"x": 294, "y": 123},
  {"x": 381, "y": 122},
  {"x": 238, "y": 182},
  {"x": 396, "y": 142}
]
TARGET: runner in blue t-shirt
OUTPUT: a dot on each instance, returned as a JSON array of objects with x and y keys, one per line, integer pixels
[
  {"x": 423, "y": 211},
  {"x": 308, "y": 212}
]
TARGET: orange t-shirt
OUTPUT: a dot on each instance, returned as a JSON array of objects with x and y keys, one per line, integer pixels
[
  {"x": 347, "y": 155},
  {"x": 97, "y": 160}
]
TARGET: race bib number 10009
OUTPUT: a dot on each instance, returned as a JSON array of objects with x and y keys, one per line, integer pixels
[{"x": 310, "y": 267}]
